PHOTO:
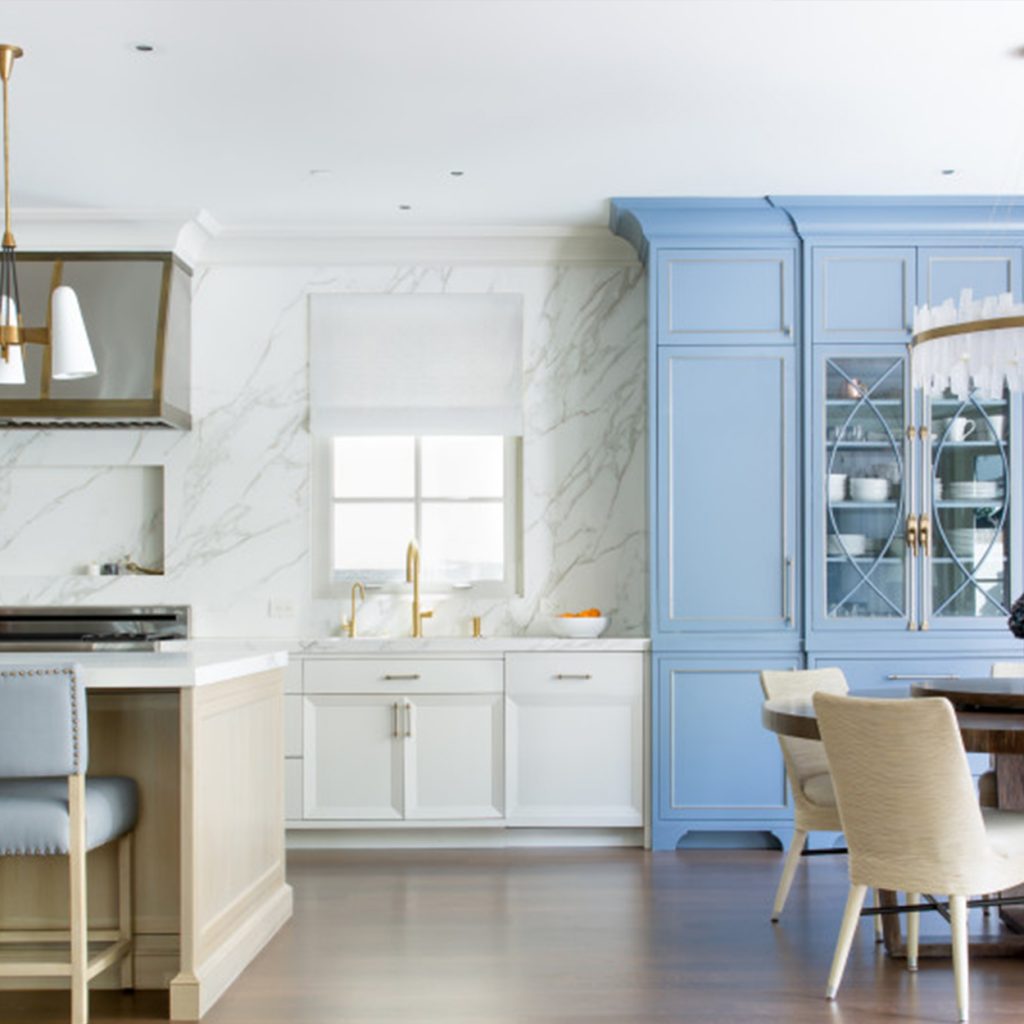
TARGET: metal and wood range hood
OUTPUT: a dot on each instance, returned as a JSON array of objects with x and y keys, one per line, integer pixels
[{"x": 137, "y": 310}]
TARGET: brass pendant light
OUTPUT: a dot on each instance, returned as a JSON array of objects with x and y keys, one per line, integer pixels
[{"x": 71, "y": 354}]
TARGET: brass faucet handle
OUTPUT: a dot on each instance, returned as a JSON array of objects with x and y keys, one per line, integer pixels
[{"x": 425, "y": 615}]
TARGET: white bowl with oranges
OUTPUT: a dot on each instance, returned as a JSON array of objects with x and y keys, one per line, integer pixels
[{"x": 585, "y": 625}]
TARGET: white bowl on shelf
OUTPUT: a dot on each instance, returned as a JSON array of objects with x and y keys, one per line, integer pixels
[
  {"x": 587, "y": 628},
  {"x": 836, "y": 487},
  {"x": 869, "y": 488},
  {"x": 852, "y": 544}
]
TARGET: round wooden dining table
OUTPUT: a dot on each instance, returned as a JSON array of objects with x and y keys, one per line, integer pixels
[{"x": 990, "y": 711}]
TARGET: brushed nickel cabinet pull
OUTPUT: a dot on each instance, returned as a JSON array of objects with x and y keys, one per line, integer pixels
[
  {"x": 790, "y": 586},
  {"x": 395, "y": 677},
  {"x": 921, "y": 676},
  {"x": 408, "y": 719},
  {"x": 573, "y": 675}
]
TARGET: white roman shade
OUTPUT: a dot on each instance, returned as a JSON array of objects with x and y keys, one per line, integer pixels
[{"x": 416, "y": 364}]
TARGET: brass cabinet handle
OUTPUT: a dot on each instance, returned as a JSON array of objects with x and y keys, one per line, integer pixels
[
  {"x": 408, "y": 719},
  {"x": 394, "y": 719},
  {"x": 395, "y": 677},
  {"x": 912, "y": 535},
  {"x": 573, "y": 675},
  {"x": 924, "y": 529}
]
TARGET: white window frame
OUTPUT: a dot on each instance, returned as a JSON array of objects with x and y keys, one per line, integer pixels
[{"x": 329, "y": 583}]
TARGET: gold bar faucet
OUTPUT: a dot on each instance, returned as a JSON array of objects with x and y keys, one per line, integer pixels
[
  {"x": 350, "y": 625},
  {"x": 412, "y": 575}
]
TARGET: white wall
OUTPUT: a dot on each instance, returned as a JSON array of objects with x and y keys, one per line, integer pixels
[{"x": 237, "y": 488}]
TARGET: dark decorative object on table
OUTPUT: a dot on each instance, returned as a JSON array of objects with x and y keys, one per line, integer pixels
[{"x": 1016, "y": 619}]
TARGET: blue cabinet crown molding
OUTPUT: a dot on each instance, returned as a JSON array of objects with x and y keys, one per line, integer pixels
[
  {"x": 643, "y": 222},
  {"x": 922, "y": 218},
  {"x": 964, "y": 220}
]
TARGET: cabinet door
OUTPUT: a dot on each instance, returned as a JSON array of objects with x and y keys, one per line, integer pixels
[
  {"x": 574, "y": 732},
  {"x": 943, "y": 273},
  {"x": 861, "y": 491},
  {"x": 725, "y": 296},
  {"x": 352, "y": 764},
  {"x": 863, "y": 295},
  {"x": 715, "y": 761},
  {"x": 726, "y": 490},
  {"x": 454, "y": 756}
]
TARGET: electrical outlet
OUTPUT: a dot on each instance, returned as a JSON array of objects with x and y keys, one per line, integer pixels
[{"x": 281, "y": 608}]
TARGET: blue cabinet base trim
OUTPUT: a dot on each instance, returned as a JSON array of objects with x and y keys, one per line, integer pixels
[{"x": 721, "y": 835}]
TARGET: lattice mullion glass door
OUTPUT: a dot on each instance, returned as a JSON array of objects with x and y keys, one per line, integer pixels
[
  {"x": 967, "y": 574},
  {"x": 865, "y": 489}
]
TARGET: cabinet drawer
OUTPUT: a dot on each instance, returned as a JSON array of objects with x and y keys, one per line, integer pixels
[
  {"x": 598, "y": 674},
  {"x": 403, "y": 675}
]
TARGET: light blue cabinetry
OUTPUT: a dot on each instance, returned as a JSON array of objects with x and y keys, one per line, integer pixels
[
  {"x": 725, "y": 296},
  {"x": 726, "y": 433},
  {"x": 807, "y": 507},
  {"x": 716, "y": 768},
  {"x": 863, "y": 294}
]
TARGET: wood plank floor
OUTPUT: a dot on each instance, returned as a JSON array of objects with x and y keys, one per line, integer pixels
[{"x": 565, "y": 937}]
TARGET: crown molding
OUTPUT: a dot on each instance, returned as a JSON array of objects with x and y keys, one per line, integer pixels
[{"x": 200, "y": 240}]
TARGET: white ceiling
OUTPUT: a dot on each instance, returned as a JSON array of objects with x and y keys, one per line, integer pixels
[{"x": 550, "y": 107}]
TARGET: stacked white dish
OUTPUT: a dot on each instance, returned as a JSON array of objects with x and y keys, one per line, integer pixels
[
  {"x": 937, "y": 486},
  {"x": 971, "y": 542},
  {"x": 869, "y": 488},
  {"x": 972, "y": 490},
  {"x": 836, "y": 487},
  {"x": 852, "y": 544}
]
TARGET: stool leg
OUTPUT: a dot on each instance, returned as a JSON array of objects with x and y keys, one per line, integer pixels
[
  {"x": 958, "y": 925},
  {"x": 124, "y": 909},
  {"x": 79, "y": 909}
]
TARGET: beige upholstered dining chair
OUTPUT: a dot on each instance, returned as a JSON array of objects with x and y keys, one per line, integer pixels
[
  {"x": 911, "y": 816},
  {"x": 47, "y": 807},
  {"x": 1008, "y": 669},
  {"x": 814, "y": 803}
]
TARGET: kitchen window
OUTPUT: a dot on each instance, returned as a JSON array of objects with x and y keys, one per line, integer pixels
[
  {"x": 457, "y": 494},
  {"x": 416, "y": 405}
]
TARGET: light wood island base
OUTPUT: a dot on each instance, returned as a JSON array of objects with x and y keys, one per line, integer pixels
[{"x": 210, "y": 889}]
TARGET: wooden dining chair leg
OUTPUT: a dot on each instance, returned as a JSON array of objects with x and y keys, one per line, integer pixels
[
  {"x": 913, "y": 931},
  {"x": 854, "y": 904},
  {"x": 958, "y": 925},
  {"x": 79, "y": 908},
  {"x": 124, "y": 909},
  {"x": 796, "y": 848}
]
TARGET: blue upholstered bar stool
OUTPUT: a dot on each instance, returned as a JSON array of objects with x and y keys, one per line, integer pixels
[{"x": 47, "y": 806}]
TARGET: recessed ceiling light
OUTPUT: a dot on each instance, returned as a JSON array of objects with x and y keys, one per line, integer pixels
[
  {"x": 947, "y": 171},
  {"x": 456, "y": 174},
  {"x": 320, "y": 172},
  {"x": 404, "y": 206},
  {"x": 145, "y": 47}
]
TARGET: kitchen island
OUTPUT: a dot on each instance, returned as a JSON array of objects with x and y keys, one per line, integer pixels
[{"x": 201, "y": 732}]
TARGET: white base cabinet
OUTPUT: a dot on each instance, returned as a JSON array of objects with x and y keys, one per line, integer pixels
[
  {"x": 532, "y": 739},
  {"x": 409, "y": 753},
  {"x": 575, "y": 739}
]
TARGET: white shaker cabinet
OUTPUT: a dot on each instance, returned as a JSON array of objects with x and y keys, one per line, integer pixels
[
  {"x": 402, "y": 740},
  {"x": 575, "y": 739}
]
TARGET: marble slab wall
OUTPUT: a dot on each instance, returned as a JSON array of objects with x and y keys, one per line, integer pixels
[{"x": 239, "y": 488}]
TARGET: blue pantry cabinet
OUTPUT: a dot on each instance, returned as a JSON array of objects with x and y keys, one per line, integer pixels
[{"x": 808, "y": 507}]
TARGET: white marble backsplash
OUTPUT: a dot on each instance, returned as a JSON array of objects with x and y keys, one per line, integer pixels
[{"x": 238, "y": 488}]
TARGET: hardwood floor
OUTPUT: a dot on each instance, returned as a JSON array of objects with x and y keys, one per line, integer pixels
[{"x": 565, "y": 937}]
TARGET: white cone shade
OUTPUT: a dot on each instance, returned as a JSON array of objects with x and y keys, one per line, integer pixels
[
  {"x": 12, "y": 370},
  {"x": 72, "y": 354}
]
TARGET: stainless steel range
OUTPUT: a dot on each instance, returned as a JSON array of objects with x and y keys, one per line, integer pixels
[{"x": 83, "y": 628}]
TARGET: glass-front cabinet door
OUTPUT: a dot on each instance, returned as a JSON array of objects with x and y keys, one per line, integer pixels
[
  {"x": 865, "y": 495},
  {"x": 965, "y": 534},
  {"x": 912, "y": 501}
]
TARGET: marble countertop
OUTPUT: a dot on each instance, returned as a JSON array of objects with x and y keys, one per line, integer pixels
[
  {"x": 370, "y": 645},
  {"x": 159, "y": 670}
]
